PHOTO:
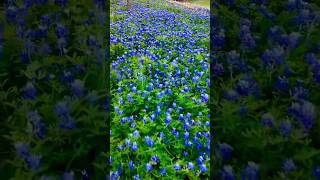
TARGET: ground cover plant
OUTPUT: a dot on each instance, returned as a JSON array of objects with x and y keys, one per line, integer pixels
[
  {"x": 266, "y": 89},
  {"x": 160, "y": 89},
  {"x": 53, "y": 90}
]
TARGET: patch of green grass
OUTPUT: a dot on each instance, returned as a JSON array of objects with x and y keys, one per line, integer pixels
[{"x": 204, "y": 3}]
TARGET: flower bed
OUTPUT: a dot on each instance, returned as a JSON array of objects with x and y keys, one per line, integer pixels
[{"x": 159, "y": 83}]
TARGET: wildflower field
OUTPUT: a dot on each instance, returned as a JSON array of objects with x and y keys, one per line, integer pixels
[
  {"x": 160, "y": 89},
  {"x": 53, "y": 90},
  {"x": 266, "y": 89},
  {"x": 94, "y": 89}
]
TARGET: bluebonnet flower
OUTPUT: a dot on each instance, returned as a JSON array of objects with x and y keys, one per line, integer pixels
[
  {"x": 230, "y": 2},
  {"x": 243, "y": 110},
  {"x": 119, "y": 90},
  {"x": 190, "y": 166},
  {"x": 124, "y": 120},
  {"x": 231, "y": 95},
  {"x": 227, "y": 173},
  {"x": 22, "y": 149},
  {"x": 25, "y": 57},
  {"x": 136, "y": 134},
  {"x": 188, "y": 143},
  {"x": 316, "y": 172},
  {"x": 120, "y": 147},
  {"x": 67, "y": 123},
  {"x": 128, "y": 142},
  {"x": 151, "y": 87},
  {"x": 198, "y": 146},
  {"x": 176, "y": 167},
  {"x": 153, "y": 117},
  {"x": 45, "y": 20},
  {"x": 61, "y": 3},
  {"x": 130, "y": 98},
  {"x": 134, "y": 146},
  {"x": 78, "y": 88},
  {"x": 282, "y": 84},
  {"x": 62, "y": 109},
  {"x": 163, "y": 171},
  {"x": 161, "y": 135},
  {"x": 174, "y": 105},
  {"x": 38, "y": 127},
  {"x": 264, "y": 11},
  {"x": 299, "y": 92},
  {"x": 68, "y": 175},
  {"x": 168, "y": 120},
  {"x": 121, "y": 101},
  {"x": 186, "y": 135},
  {"x": 247, "y": 40},
  {"x": 203, "y": 168},
  {"x": 155, "y": 159},
  {"x": 311, "y": 58},
  {"x": 131, "y": 165},
  {"x": 11, "y": 14},
  {"x": 275, "y": 33},
  {"x": 144, "y": 119},
  {"x": 259, "y": 1},
  {"x": 175, "y": 132},
  {"x": 45, "y": 49},
  {"x": 61, "y": 31},
  {"x": 233, "y": 57},
  {"x": 247, "y": 86},
  {"x": 185, "y": 154},
  {"x": 251, "y": 172},
  {"x": 200, "y": 160},
  {"x": 29, "y": 91},
  {"x": 149, "y": 141},
  {"x": 205, "y": 97},
  {"x": 41, "y": 32},
  {"x": 304, "y": 112},
  {"x": 91, "y": 41},
  {"x": 114, "y": 175},
  {"x": 218, "y": 70},
  {"x": 285, "y": 128},
  {"x": 137, "y": 177},
  {"x": 148, "y": 167},
  {"x": 294, "y": 4},
  {"x": 219, "y": 39},
  {"x": 45, "y": 177},
  {"x": 225, "y": 151},
  {"x": 67, "y": 77},
  {"x": 181, "y": 117},
  {"x": 274, "y": 56},
  {"x": 293, "y": 39},
  {"x": 62, "y": 44},
  {"x": 305, "y": 16},
  {"x": 85, "y": 175},
  {"x": 288, "y": 165},
  {"x": 120, "y": 168},
  {"x": 34, "y": 162},
  {"x": 268, "y": 120},
  {"x": 130, "y": 119}
]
